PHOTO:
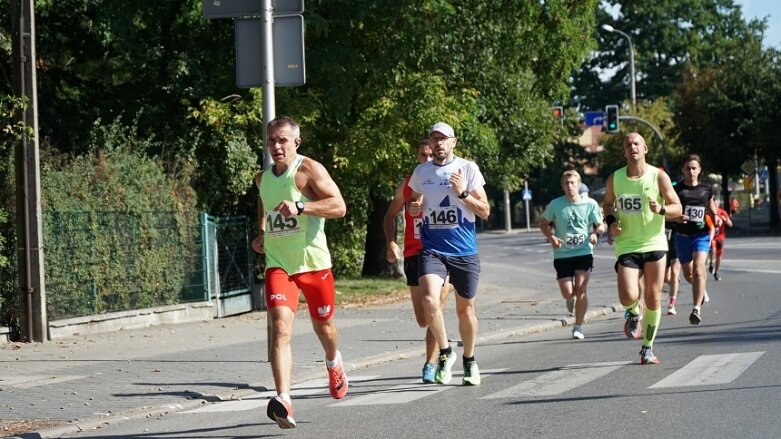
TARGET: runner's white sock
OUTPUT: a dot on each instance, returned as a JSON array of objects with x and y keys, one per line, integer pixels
[{"x": 332, "y": 363}]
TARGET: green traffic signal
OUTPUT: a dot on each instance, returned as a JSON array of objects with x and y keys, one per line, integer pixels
[{"x": 611, "y": 117}]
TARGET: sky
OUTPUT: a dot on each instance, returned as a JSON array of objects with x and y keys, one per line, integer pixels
[{"x": 760, "y": 9}]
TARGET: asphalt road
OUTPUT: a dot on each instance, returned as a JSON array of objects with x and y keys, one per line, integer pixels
[{"x": 719, "y": 379}]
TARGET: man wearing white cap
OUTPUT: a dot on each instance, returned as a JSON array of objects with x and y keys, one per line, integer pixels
[{"x": 448, "y": 193}]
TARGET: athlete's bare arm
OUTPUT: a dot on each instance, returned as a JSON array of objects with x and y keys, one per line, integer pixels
[
  {"x": 316, "y": 184},
  {"x": 714, "y": 211},
  {"x": 672, "y": 204},
  {"x": 257, "y": 243},
  {"x": 389, "y": 224},
  {"x": 415, "y": 203},
  {"x": 608, "y": 207},
  {"x": 477, "y": 202},
  {"x": 547, "y": 229}
]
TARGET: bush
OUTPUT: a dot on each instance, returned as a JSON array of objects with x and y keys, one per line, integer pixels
[{"x": 120, "y": 234}]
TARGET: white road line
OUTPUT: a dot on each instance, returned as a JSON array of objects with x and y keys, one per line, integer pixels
[
  {"x": 29, "y": 381},
  {"x": 559, "y": 381},
  {"x": 710, "y": 369},
  {"x": 394, "y": 395},
  {"x": 260, "y": 399},
  {"x": 405, "y": 393}
]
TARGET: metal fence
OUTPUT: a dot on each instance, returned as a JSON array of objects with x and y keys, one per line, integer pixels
[{"x": 100, "y": 262}]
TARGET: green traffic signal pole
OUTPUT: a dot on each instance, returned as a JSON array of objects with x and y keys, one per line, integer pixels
[{"x": 656, "y": 132}]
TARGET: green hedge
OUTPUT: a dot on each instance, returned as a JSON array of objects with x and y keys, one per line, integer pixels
[
  {"x": 119, "y": 232},
  {"x": 99, "y": 262}
]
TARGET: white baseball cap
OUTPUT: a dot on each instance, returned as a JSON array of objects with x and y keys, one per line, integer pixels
[{"x": 443, "y": 128}]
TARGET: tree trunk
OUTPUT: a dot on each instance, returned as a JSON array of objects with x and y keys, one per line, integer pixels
[
  {"x": 772, "y": 189},
  {"x": 374, "y": 262}
]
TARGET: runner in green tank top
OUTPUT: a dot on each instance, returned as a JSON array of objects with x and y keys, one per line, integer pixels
[
  {"x": 296, "y": 196},
  {"x": 638, "y": 198}
]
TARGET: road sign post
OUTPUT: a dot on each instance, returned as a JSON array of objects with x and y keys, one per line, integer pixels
[
  {"x": 258, "y": 38},
  {"x": 527, "y": 196},
  {"x": 288, "y": 36}
]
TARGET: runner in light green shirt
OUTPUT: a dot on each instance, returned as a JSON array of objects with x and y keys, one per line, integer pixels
[
  {"x": 638, "y": 198},
  {"x": 296, "y": 195}
]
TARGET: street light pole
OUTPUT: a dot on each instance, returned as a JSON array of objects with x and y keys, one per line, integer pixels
[{"x": 611, "y": 29}]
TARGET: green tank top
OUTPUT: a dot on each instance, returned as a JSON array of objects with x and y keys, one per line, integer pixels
[
  {"x": 296, "y": 244},
  {"x": 641, "y": 230}
]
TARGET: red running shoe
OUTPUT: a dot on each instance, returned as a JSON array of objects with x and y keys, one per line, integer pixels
[{"x": 337, "y": 379}]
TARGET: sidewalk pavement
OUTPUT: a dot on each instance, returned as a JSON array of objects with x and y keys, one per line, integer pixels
[
  {"x": 751, "y": 222},
  {"x": 85, "y": 382}
]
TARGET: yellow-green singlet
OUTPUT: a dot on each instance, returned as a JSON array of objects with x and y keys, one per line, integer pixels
[
  {"x": 641, "y": 230},
  {"x": 296, "y": 244}
]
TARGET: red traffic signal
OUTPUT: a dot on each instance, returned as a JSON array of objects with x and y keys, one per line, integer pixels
[{"x": 558, "y": 112}]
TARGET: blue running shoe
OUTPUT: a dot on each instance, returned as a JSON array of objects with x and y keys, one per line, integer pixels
[{"x": 428, "y": 373}]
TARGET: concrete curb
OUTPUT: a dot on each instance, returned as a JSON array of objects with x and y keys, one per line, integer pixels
[{"x": 201, "y": 399}]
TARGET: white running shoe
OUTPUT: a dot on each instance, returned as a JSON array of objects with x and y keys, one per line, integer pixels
[{"x": 577, "y": 332}]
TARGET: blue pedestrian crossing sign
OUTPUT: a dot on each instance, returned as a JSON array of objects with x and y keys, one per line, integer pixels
[
  {"x": 594, "y": 118},
  {"x": 527, "y": 194}
]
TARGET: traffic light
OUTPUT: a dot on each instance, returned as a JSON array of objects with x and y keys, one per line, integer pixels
[
  {"x": 558, "y": 115},
  {"x": 612, "y": 118}
]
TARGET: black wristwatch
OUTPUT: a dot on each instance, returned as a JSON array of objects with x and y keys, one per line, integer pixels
[
  {"x": 662, "y": 211},
  {"x": 300, "y": 207},
  {"x": 463, "y": 195}
]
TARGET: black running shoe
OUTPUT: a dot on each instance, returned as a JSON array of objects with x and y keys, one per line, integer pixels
[
  {"x": 694, "y": 317},
  {"x": 647, "y": 356},
  {"x": 281, "y": 412}
]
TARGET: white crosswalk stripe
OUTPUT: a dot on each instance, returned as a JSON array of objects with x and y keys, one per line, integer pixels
[
  {"x": 260, "y": 399},
  {"x": 29, "y": 381},
  {"x": 710, "y": 369},
  {"x": 559, "y": 381},
  {"x": 703, "y": 370},
  {"x": 405, "y": 393}
]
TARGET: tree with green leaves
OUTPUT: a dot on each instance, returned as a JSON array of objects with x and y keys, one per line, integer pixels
[
  {"x": 666, "y": 35},
  {"x": 379, "y": 73},
  {"x": 724, "y": 111}
]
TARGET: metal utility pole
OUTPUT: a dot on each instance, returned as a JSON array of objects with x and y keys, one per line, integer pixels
[
  {"x": 632, "y": 92},
  {"x": 507, "y": 212},
  {"x": 28, "y": 179},
  {"x": 269, "y": 98}
]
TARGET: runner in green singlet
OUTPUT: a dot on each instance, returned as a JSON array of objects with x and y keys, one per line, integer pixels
[
  {"x": 296, "y": 196},
  {"x": 638, "y": 198}
]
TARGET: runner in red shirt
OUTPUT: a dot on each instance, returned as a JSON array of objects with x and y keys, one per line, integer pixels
[{"x": 717, "y": 243}]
